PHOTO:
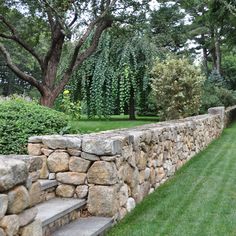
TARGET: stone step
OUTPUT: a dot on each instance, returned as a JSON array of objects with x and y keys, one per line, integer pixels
[
  {"x": 46, "y": 184},
  {"x": 90, "y": 226},
  {"x": 56, "y": 212}
]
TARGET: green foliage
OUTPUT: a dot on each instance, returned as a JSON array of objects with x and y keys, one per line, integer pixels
[
  {"x": 168, "y": 27},
  {"x": 177, "y": 88},
  {"x": 214, "y": 96},
  {"x": 20, "y": 119},
  {"x": 229, "y": 69},
  {"x": 69, "y": 107},
  {"x": 216, "y": 92},
  {"x": 117, "y": 71}
]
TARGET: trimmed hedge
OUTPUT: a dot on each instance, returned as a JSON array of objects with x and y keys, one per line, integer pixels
[{"x": 20, "y": 119}]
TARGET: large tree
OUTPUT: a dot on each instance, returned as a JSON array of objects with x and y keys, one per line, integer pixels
[{"x": 39, "y": 31}]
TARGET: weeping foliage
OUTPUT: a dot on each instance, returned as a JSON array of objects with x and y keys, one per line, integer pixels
[{"x": 117, "y": 71}]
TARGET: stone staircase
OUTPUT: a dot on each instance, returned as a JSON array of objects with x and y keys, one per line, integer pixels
[{"x": 65, "y": 216}]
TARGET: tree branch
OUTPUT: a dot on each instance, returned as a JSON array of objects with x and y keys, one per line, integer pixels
[
  {"x": 28, "y": 78},
  {"x": 77, "y": 59},
  {"x": 80, "y": 58},
  {"x": 86, "y": 34},
  {"x": 15, "y": 37},
  {"x": 98, "y": 32}
]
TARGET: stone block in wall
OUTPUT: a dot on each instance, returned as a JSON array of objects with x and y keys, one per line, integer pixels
[
  {"x": 47, "y": 151},
  {"x": 123, "y": 195},
  {"x": 35, "y": 193},
  {"x": 103, "y": 173},
  {"x": 109, "y": 158},
  {"x": 34, "y": 149},
  {"x": 12, "y": 172},
  {"x": 77, "y": 164},
  {"x": 135, "y": 137},
  {"x": 74, "y": 152},
  {"x": 73, "y": 178},
  {"x": 33, "y": 163},
  {"x": 129, "y": 174},
  {"x": 27, "y": 216},
  {"x": 10, "y": 224},
  {"x": 160, "y": 174},
  {"x": 153, "y": 176},
  {"x": 44, "y": 172},
  {"x": 127, "y": 151},
  {"x": 141, "y": 160},
  {"x": 65, "y": 190},
  {"x": 130, "y": 205},
  {"x": 81, "y": 191},
  {"x": 102, "y": 200},
  {"x": 61, "y": 142},
  {"x": 35, "y": 139},
  {"x": 101, "y": 147},
  {"x": 34, "y": 175},
  {"x": 18, "y": 200},
  {"x": 52, "y": 176},
  {"x": 141, "y": 176},
  {"x": 58, "y": 162},
  {"x": 32, "y": 229},
  {"x": 3, "y": 204},
  {"x": 144, "y": 189},
  {"x": 147, "y": 173},
  {"x": 169, "y": 167},
  {"x": 2, "y": 232},
  {"x": 89, "y": 157}
]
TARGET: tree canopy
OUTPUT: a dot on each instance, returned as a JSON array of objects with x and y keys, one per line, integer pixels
[{"x": 39, "y": 31}]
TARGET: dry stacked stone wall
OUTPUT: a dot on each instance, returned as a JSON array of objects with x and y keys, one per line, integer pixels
[
  {"x": 115, "y": 170},
  {"x": 19, "y": 193}
]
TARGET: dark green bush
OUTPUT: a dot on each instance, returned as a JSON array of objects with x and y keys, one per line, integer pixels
[
  {"x": 217, "y": 96},
  {"x": 20, "y": 119}
]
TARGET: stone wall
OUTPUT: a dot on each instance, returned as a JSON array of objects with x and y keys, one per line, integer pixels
[
  {"x": 115, "y": 170},
  {"x": 19, "y": 193}
]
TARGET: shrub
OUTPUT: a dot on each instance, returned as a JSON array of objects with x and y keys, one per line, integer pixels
[
  {"x": 214, "y": 96},
  {"x": 20, "y": 119},
  {"x": 66, "y": 105},
  {"x": 177, "y": 87}
]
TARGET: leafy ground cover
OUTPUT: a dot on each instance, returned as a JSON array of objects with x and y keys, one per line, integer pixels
[
  {"x": 199, "y": 200},
  {"x": 85, "y": 125}
]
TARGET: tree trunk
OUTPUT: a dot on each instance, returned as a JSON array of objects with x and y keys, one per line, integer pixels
[
  {"x": 217, "y": 52},
  {"x": 48, "y": 99},
  {"x": 132, "y": 105},
  {"x": 205, "y": 56},
  {"x": 213, "y": 49}
]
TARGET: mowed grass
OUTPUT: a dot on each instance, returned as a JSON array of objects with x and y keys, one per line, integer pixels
[
  {"x": 85, "y": 125},
  {"x": 199, "y": 200}
]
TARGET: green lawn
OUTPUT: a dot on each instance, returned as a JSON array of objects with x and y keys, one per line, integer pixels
[
  {"x": 199, "y": 200},
  {"x": 85, "y": 125}
]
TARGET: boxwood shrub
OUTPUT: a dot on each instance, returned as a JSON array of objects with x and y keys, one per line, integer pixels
[{"x": 20, "y": 119}]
